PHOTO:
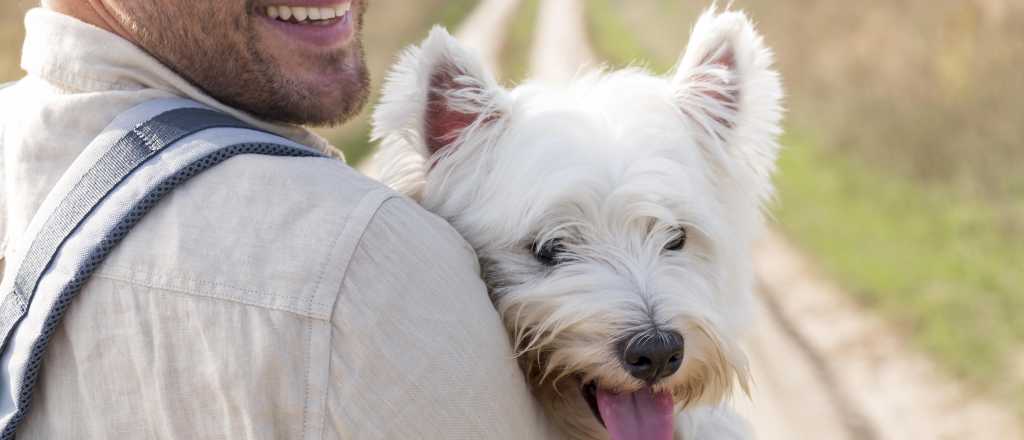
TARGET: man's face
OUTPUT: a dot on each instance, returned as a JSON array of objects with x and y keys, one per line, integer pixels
[{"x": 308, "y": 72}]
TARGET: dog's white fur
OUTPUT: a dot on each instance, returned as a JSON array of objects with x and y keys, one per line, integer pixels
[{"x": 612, "y": 164}]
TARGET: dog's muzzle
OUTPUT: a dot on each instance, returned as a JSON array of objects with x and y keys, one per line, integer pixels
[{"x": 649, "y": 356}]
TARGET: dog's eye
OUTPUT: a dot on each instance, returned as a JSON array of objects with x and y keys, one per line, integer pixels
[
  {"x": 678, "y": 241},
  {"x": 550, "y": 252}
]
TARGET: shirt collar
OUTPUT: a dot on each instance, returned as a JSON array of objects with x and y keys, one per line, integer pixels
[{"x": 79, "y": 57}]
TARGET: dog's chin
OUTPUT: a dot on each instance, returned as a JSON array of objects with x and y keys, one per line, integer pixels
[{"x": 599, "y": 400}]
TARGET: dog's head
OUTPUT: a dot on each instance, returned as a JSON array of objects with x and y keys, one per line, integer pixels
[{"x": 613, "y": 215}]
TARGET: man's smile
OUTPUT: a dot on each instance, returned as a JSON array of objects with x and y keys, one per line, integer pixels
[
  {"x": 308, "y": 14},
  {"x": 321, "y": 23}
]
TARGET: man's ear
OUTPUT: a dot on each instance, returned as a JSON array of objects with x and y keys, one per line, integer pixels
[
  {"x": 726, "y": 86},
  {"x": 436, "y": 93}
]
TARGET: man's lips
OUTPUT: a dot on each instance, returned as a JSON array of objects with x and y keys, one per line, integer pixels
[{"x": 316, "y": 22}]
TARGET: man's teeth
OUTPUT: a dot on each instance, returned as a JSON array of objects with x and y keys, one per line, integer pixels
[{"x": 307, "y": 13}]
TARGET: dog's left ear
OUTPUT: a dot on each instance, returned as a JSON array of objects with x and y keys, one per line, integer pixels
[
  {"x": 726, "y": 86},
  {"x": 436, "y": 93}
]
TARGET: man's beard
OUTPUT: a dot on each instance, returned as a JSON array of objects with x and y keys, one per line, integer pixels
[
  {"x": 230, "y": 67},
  {"x": 270, "y": 94}
]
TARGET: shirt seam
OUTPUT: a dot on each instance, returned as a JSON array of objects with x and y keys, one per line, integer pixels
[
  {"x": 378, "y": 198},
  {"x": 305, "y": 380},
  {"x": 223, "y": 298},
  {"x": 107, "y": 271},
  {"x": 362, "y": 235},
  {"x": 384, "y": 195}
]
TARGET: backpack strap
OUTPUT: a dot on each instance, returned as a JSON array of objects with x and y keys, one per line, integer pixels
[{"x": 94, "y": 207}]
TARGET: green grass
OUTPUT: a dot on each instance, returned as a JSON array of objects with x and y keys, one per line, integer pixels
[
  {"x": 453, "y": 12},
  {"x": 355, "y": 143},
  {"x": 515, "y": 52},
  {"x": 943, "y": 264},
  {"x": 611, "y": 38},
  {"x": 929, "y": 258}
]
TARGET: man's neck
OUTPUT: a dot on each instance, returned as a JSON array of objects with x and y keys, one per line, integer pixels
[{"x": 94, "y": 12}]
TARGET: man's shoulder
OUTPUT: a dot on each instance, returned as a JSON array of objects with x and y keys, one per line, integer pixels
[
  {"x": 281, "y": 183},
  {"x": 274, "y": 232},
  {"x": 291, "y": 188}
]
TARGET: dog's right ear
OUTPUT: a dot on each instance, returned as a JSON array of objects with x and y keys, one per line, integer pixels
[
  {"x": 726, "y": 85},
  {"x": 435, "y": 95}
]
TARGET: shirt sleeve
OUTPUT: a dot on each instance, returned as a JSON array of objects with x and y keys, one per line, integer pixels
[{"x": 418, "y": 351}]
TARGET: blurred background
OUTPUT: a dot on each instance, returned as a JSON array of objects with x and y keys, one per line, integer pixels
[
  {"x": 903, "y": 169},
  {"x": 901, "y": 180}
]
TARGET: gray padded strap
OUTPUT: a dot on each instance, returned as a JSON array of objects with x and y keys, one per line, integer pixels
[
  {"x": 68, "y": 236},
  {"x": 128, "y": 153}
]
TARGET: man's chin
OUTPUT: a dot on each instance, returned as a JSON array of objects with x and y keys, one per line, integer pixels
[
  {"x": 312, "y": 110},
  {"x": 338, "y": 101},
  {"x": 318, "y": 95}
]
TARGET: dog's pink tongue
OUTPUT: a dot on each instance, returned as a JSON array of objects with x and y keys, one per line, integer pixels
[{"x": 641, "y": 415}]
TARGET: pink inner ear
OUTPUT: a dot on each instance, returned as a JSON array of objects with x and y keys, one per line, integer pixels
[
  {"x": 443, "y": 124},
  {"x": 724, "y": 58},
  {"x": 727, "y": 60}
]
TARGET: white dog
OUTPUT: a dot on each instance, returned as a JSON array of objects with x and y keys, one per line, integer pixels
[{"x": 613, "y": 218}]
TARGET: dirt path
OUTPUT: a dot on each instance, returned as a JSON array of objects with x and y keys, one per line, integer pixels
[
  {"x": 823, "y": 367},
  {"x": 484, "y": 30},
  {"x": 560, "y": 48},
  {"x": 892, "y": 390}
]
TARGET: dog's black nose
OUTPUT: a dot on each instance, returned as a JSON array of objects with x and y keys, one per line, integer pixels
[{"x": 652, "y": 356}]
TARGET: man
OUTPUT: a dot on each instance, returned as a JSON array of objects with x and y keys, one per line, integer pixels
[{"x": 268, "y": 297}]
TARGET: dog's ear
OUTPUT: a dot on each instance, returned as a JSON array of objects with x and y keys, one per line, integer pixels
[
  {"x": 726, "y": 86},
  {"x": 435, "y": 93}
]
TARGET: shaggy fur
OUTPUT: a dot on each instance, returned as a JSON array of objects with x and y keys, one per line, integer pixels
[{"x": 612, "y": 165}]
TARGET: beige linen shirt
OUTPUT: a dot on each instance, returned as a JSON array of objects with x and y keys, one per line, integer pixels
[{"x": 267, "y": 298}]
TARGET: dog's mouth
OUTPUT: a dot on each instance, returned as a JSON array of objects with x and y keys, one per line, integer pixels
[
  {"x": 589, "y": 391},
  {"x": 642, "y": 414}
]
